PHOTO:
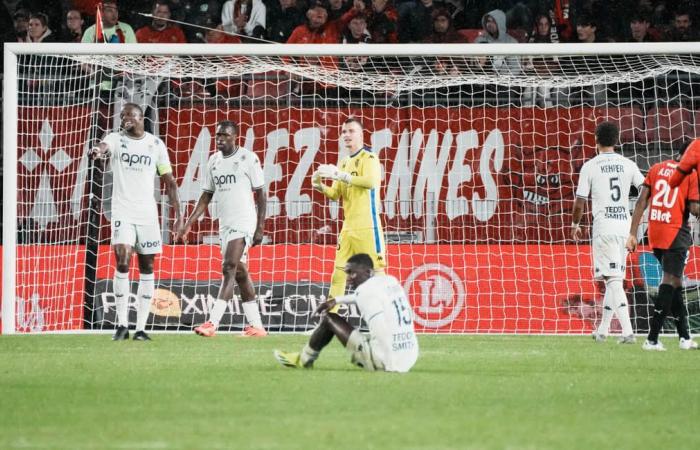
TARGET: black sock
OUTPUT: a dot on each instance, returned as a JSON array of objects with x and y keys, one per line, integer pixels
[
  {"x": 680, "y": 313},
  {"x": 662, "y": 305}
]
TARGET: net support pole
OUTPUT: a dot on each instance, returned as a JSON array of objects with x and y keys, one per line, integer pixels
[{"x": 9, "y": 194}]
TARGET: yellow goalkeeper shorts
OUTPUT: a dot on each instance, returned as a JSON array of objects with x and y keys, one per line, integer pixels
[{"x": 353, "y": 242}]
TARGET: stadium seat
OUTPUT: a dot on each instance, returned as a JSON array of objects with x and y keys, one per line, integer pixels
[
  {"x": 519, "y": 34},
  {"x": 668, "y": 124},
  {"x": 470, "y": 33},
  {"x": 629, "y": 120}
]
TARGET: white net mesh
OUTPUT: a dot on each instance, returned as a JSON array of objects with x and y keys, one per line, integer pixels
[{"x": 479, "y": 155}]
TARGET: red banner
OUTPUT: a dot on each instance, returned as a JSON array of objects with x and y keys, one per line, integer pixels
[
  {"x": 453, "y": 288},
  {"x": 450, "y": 174}
]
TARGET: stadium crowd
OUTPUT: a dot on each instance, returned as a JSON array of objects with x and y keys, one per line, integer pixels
[{"x": 352, "y": 21}]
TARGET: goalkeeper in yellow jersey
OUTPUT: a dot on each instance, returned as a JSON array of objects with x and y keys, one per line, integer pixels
[{"x": 356, "y": 183}]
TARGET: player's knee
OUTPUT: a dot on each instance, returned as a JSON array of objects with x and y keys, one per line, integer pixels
[
  {"x": 123, "y": 267},
  {"x": 229, "y": 268},
  {"x": 241, "y": 274}
]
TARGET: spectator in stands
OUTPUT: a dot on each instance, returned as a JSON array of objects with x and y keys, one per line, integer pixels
[
  {"x": 543, "y": 32},
  {"x": 495, "y": 32},
  {"x": 245, "y": 17},
  {"x": 443, "y": 31},
  {"x": 640, "y": 27},
  {"x": 21, "y": 23},
  {"x": 586, "y": 28},
  {"x": 317, "y": 29},
  {"x": 73, "y": 27},
  {"x": 382, "y": 20},
  {"x": 38, "y": 30},
  {"x": 415, "y": 20},
  {"x": 87, "y": 8},
  {"x": 336, "y": 9},
  {"x": 682, "y": 30},
  {"x": 457, "y": 10},
  {"x": 356, "y": 31},
  {"x": 216, "y": 34},
  {"x": 114, "y": 31},
  {"x": 160, "y": 31},
  {"x": 283, "y": 16}
]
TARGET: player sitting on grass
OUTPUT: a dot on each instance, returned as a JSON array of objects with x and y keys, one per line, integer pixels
[
  {"x": 391, "y": 344},
  {"x": 669, "y": 236}
]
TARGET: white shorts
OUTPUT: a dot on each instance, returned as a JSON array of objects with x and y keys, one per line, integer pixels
[
  {"x": 362, "y": 352},
  {"x": 227, "y": 235},
  {"x": 609, "y": 257},
  {"x": 145, "y": 239}
]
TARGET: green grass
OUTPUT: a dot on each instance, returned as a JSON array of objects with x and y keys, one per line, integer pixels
[{"x": 466, "y": 392}]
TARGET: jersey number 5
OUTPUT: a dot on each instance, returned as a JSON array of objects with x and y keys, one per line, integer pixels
[{"x": 615, "y": 193}]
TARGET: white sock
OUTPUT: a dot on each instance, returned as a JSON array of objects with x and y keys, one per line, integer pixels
[
  {"x": 308, "y": 355},
  {"x": 621, "y": 308},
  {"x": 144, "y": 296},
  {"x": 252, "y": 313},
  {"x": 217, "y": 312},
  {"x": 121, "y": 298},
  {"x": 608, "y": 310}
]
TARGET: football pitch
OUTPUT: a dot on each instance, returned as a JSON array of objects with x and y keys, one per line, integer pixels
[{"x": 466, "y": 392}]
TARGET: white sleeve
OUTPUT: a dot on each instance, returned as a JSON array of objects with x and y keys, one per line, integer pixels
[
  {"x": 112, "y": 141},
  {"x": 346, "y": 299},
  {"x": 638, "y": 177},
  {"x": 257, "y": 17},
  {"x": 208, "y": 185},
  {"x": 584, "y": 182},
  {"x": 227, "y": 16},
  {"x": 255, "y": 173}
]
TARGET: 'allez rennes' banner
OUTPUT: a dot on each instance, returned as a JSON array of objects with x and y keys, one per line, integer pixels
[{"x": 455, "y": 174}]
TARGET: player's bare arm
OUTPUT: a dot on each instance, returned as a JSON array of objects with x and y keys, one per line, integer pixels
[
  {"x": 173, "y": 200},
  {"x": 325, "y": 306},
  {"x": 576, "y": 232},
  {"x": 261, "y": 206},
  {"x": 639, "y": 209},
  {"x": 202, "y": 204}
]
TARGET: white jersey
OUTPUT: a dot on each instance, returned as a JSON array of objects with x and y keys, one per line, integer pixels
[
  {"x": 384, "y": 306},
  {"x": 232, "y": 179},
  {"x": 607, "y": 179},
  {"x": 134, "y": 164}
]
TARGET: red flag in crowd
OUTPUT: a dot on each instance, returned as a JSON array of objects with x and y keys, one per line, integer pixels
[{"x": 99, "y": 33}]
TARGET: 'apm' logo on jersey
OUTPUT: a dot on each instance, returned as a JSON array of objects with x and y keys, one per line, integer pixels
[
  {"x": 130, "y": 159},
  {"x": 221, "y": 180}
]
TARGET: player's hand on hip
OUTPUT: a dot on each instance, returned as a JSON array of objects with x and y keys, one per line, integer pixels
[
  {"x": 576, "y": 232},
  {"x": 631, "y": 243},
  {"x": 325, "y": 306}
]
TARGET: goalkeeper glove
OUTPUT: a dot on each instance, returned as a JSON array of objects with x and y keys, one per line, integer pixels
[
  {"x": 331, "y": 171},
  {"x": 316, "y": 181}
]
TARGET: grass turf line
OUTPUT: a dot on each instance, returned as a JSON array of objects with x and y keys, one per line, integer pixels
[{"x": 480, "y": 392}]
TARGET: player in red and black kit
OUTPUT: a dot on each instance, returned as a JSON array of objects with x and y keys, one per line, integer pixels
[{"x": 669, "y": 236}]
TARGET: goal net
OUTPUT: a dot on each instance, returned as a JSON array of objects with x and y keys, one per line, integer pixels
[{"x": 480, "y": 156}]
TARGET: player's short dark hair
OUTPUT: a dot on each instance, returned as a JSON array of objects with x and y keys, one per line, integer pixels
[
  {"x": 362, "y": 259},
  {"x": 352, "y": 119},
  {"x": 229, "y": 124},
  {"x": 133, "y": 105},
  {"x": 607, "y": 134}
]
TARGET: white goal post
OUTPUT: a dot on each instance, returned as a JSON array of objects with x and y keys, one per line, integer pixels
[{"x": 480, "y": 144}]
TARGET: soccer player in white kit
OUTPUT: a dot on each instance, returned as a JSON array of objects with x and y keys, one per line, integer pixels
[
  {"x": 135, "y": 156},
  {"x": 607, "y": 179},
  {"x": 233, "y": 177},
  {"x": 391, "y": 344}
]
